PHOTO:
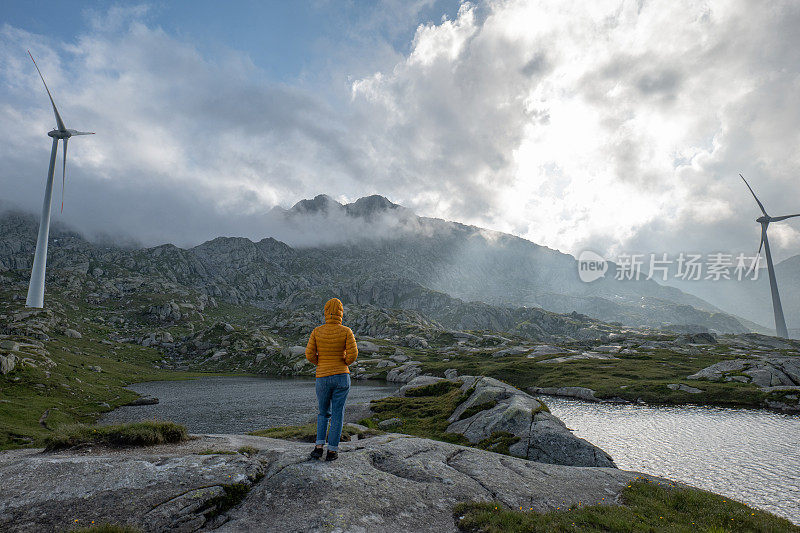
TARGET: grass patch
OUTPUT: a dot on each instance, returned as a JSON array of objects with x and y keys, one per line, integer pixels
[
  {"x": 499, "y": 441},
  {"x": 433, "y": 389},
  {"x": 423, "y": 415},
  {"x": 644, "y": 376},
  {"x": 475, "y": 409},
  {"x": 308, "y": 432},
  {"x": 645, "y": 507},
  {"x": 107, "y": 528},
  {"x": 133, "y": 434},
  {"x": 247, "y": 450}
]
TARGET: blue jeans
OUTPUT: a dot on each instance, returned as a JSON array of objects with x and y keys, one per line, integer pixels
[{"x": 331, "y": 394}]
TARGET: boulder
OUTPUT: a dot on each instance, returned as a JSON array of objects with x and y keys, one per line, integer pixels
[
  {"x": 7, "y": 363},
  {"x": 297, "y": 350},
  {"x": 419, "y": 381},
  {"x": 542, "y": 436},
  {"x": 684, "y": 388},
  {"x": 771, "y": 371},
  {"x": 367, "y": 347},
  {"x": 582, "y": 393},
  {"x": 390, "y": 423},
  {"x": 9, "y": 345},
  {"x": 413, "y": 341},
  {"x": 404, "y": 373},
  {"x": 401, "y": 484},
  {"x": 399, "y": 356},
  {"x": 72, "y": 334},
  {"x": 515, "y": 350}
]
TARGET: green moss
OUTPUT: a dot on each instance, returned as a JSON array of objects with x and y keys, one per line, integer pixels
[
  {"x": 434, "y": 389},
  {"x": 247, "y": 450},
  {"x": 475, "y": 409},
  {"x": 645, "y": 507},
  {"x": 499, "y": 441},
  {"x": 133, "y": 434},
  {"x": 308, "y": 432},
  {"x": 232, "y": 495}
]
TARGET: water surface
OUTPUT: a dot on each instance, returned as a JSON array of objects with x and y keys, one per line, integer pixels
[
  {"x": 750, "y": 455},
  {"x": 236, "y": 404}
]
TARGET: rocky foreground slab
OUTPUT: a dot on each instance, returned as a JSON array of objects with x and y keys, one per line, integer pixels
[{"x": 388, "y": 483}]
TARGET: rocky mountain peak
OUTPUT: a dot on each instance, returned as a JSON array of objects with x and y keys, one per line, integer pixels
[
  {"x": 369, "y": 206},
  {"x": 322, "y": 203}
]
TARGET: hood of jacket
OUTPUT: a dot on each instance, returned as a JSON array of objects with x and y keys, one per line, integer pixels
[{"x": 334, "y": 311}]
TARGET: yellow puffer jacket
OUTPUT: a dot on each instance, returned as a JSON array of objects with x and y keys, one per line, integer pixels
[{"x": 332, "y": 346}]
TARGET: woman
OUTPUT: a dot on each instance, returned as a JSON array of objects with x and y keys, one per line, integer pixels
[{"x": 332, "y": 348}]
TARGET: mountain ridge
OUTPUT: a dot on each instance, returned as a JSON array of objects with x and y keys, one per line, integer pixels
[{"x": 426, "y": 263}]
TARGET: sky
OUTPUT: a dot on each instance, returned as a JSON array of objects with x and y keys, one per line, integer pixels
[{"x": 615, "y": 126}]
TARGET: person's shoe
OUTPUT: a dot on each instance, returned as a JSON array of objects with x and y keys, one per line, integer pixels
[
  {"x": 332, "y": 455},
  {"x": 316, "y": 453}
]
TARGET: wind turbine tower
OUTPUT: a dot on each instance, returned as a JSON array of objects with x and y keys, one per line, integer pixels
[
  {"x": 36, "y": 286},
  {"x": 777, "y": 309}
]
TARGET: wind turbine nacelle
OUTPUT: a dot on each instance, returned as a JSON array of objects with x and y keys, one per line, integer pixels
[
  {"x": 762, "y": 220},
  {"x": 57, "y": 134}
]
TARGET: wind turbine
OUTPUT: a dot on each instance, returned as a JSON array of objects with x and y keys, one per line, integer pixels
[
  {"x": 36, "y": 286},
  {"x": 780, "y": 322}
]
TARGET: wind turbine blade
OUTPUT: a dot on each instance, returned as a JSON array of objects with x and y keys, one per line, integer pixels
[
  {"x": 754, "y": 196},
  {"x": 82, "y": 133},
  {"x": 784, "y": 217},
  {"x": 59, "y": 122},
  {"x": 64, "y": 174},
  {"x": 755, "y": 260}
]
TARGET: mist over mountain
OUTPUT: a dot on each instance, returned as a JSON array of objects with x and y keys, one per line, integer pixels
[
  {"x": 752, "y": 299},
  {"x": 375, "y": 252}
]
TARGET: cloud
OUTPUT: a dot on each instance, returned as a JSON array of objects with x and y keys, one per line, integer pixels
[
  {"x": 622, "y": 124},
  {"x": 615, "y": 126}
]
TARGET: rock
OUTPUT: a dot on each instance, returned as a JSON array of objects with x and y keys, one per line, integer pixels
[
  {"x": 399, "y": 357},
  {"x": 419, "y": 381},
  {"x": 297, "y": 350},
  {"x": 451, "y": 373},
  {"x": 354, "y": 413},
  {"x": 770, "y": 371},
  {"x": 408, "y": 484},
  {"x": 72, "y": 334},
  {"x": 7, "y": 363},
  {"x": 576, "y": 357},
  {"x": 367, "y": 347},
  {"x": 9, "y": 345},
  {"x": 390, "y": 423},
  {"x": 715, "y": 371},
  {"x": 463, "y": 335},
  {"x": 542, "y": 436},
  {"x": 685, "y": 388},
  {"x": 228, "y": 328},
  {"x": 413, "y": 341},
  {"x": 404, "y": 373},
  {"x": 697, "y": 338},
  {"x": 516, "y": 350},
  {"x": 144, "y": 400},
  {"x": 547, "y": 349},
  {"x": 95, "y": 368},
  {"x": 581, "y": 393}
]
